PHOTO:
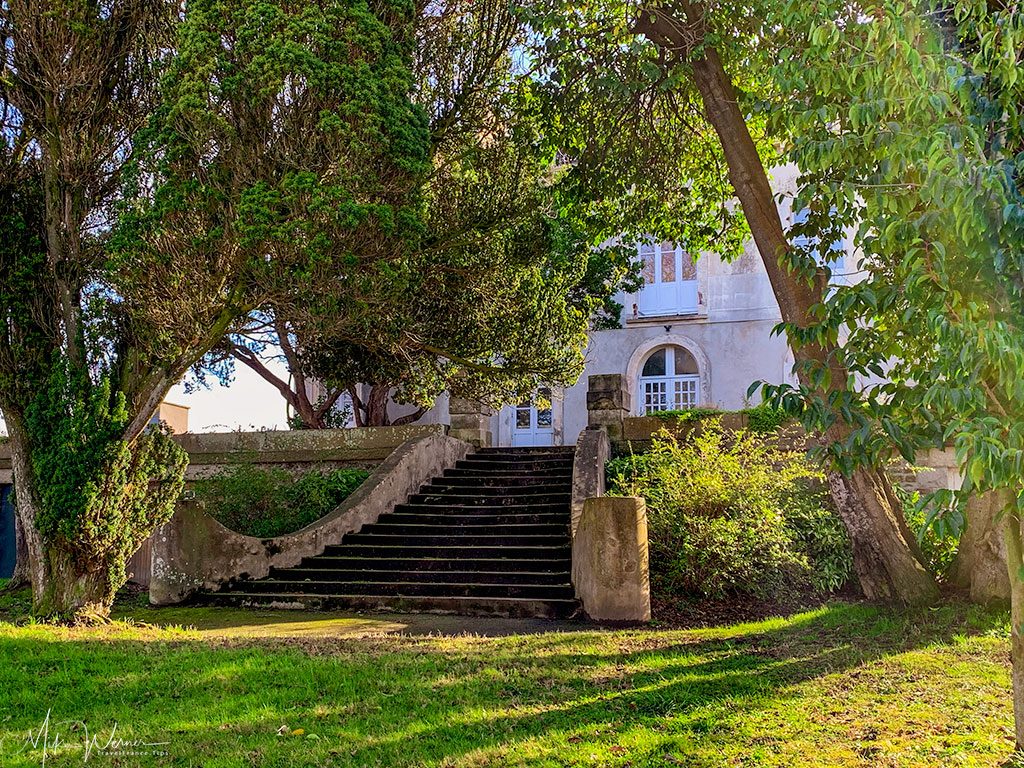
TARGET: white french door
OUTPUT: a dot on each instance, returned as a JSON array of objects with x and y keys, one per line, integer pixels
[
  {"x": 532, "y": 421},
  {"x": 670, "y": 393},
  {"x": 670, "y": 280}
]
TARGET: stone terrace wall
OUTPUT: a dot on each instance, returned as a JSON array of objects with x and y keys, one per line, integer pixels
[{"x": 297, "y": 449}]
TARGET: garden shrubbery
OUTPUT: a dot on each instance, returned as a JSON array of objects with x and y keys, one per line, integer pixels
[
  {"x": 730, "y": 513},
  {"x": 272, "y": 502}
]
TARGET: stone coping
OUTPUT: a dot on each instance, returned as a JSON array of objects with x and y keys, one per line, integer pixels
[{"x": 193, "y": 551}]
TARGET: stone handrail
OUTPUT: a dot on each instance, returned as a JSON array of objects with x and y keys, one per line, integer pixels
[
  {"x": 194, "y": 552},
  {"x": 609, "y": 539},
  {"x": 593, "y": 449}
]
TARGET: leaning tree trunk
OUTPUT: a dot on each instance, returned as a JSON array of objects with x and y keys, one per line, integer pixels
[
  {"x": 980, "y": 565},
  {"x": 883, "y": 553}
]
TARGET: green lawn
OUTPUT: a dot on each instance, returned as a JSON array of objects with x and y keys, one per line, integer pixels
[{"x": 842, "y": 685}]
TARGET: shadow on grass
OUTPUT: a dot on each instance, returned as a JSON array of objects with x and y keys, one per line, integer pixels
[{"x": 526, "y": 700}]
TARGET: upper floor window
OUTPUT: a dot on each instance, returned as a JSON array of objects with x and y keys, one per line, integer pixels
[{"x": 670, "y": 280}]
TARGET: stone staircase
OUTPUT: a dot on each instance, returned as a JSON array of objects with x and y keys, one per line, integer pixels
[{"x": 488, "y": 537}]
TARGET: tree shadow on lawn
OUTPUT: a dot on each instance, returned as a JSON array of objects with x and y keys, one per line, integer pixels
[{"x": 417, "y": 701}]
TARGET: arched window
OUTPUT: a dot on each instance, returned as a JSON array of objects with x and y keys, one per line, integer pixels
[{"x": 669, "y": 381}]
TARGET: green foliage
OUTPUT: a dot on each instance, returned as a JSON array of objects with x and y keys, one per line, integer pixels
[
  {"x": 686, "y": 415},
  {"x": 762, "y": 418},
  {"x": 765, "y": 418},
  {"x": 186, "y": 165},
  {"x": 272, "y": 502},
  {"x": 939, "y": 547},
  {"x": 103, "y": 494},
  {"x": 729, "y": 513},
  {"x": 908, "y": 132}
]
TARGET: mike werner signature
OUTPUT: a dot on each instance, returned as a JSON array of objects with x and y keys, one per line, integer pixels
[{"x": 50, "y": 737}]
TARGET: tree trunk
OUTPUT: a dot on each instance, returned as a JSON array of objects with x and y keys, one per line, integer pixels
[
  {"x": 1015, "y": 564},
  {"x": 981, "y": 564},
  {"x": 884, "y": 557},
  {"x": 21, "y": 577},
  {"x": 59, "y": 587}
]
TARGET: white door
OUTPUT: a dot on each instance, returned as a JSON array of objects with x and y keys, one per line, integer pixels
[
  {"x": 670, "y": 280},
  {"x": 532, "y": 423}
]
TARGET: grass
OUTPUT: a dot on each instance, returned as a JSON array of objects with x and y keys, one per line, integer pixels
[{"x": 845, "y": 685}]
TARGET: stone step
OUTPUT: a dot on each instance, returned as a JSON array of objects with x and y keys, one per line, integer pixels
[
  {"x": 498, "y": 508},
  {"x": 560, "y": 473},
  {"x": 509, "y": 500},
  {"x": 493, "y": 538},
  {"x": 389, "y": 527},
  {"x": 554, "y": 564},
  {"x": 514, "y": 465},
  {"x": 458, "y": 517},
  {"x": 509, "y": 607},
  {"x": 540, "y": 450},
  {"x": 440, "y": 485},
  {"x": 411, "y": 588},
  {"x": 417, "y": 575},
  {"x": 511, "y": 483},
  {"x": 454, "y": 552}
]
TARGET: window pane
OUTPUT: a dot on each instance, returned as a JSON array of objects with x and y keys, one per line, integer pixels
[
  {"x": 684, "y": 362},
  {"x": 647, "y": 263},
  {"x": 689, "y": 267},
  {"x": 544, "y": 417},
  {"x": 655, "y": 365},
  {"x": 668, "y": 263}
]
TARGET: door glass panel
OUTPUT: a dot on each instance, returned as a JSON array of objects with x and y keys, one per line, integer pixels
[
  {"x": 689, "y": 267},
  {"x": 655, "y": 365},
  {"x": 523, "y": 417},
  {"x": 647, "y": 263},
  {"x": 668, "y": 263}
]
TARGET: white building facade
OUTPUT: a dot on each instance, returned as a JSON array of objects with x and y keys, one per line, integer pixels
[{"x": 697, "y": 334}]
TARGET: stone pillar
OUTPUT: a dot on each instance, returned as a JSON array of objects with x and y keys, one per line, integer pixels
[
  {"x": 608, "y": 403},
  {"x": 609, "y": 560},
  {"x": 470, "y": 421}
]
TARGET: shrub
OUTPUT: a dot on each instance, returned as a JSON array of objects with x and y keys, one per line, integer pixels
[
  {"x": 272, "y": 502},
  {"x": 730, "y": 513},
  {"x": 765, "y": 418},
  {"x": 939, "y": 550}
]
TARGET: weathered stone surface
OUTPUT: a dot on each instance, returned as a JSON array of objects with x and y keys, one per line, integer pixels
[
  {"x": 609, "y": 560},
  {"x": 593, "y": 450},
  {"x": 193, "y": 551},
  {"x": 324, "y": 447},
  {"x": 470, "y": 421},
  {"x": 608, "y": 403}
]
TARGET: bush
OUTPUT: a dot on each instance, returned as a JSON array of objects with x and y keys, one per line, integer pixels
[
  {"x": 728, "y": 513},
  {"x": 272, "y": 502},
  {"x": 939, "y": 550}
]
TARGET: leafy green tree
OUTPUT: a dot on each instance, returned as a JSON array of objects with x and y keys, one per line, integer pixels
[
  {"x": 494, "y": 294},
  {"x": 909, "y": 130},
  {"x": 167, "y": 169},
  {"x": 659, "y": 101}
]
